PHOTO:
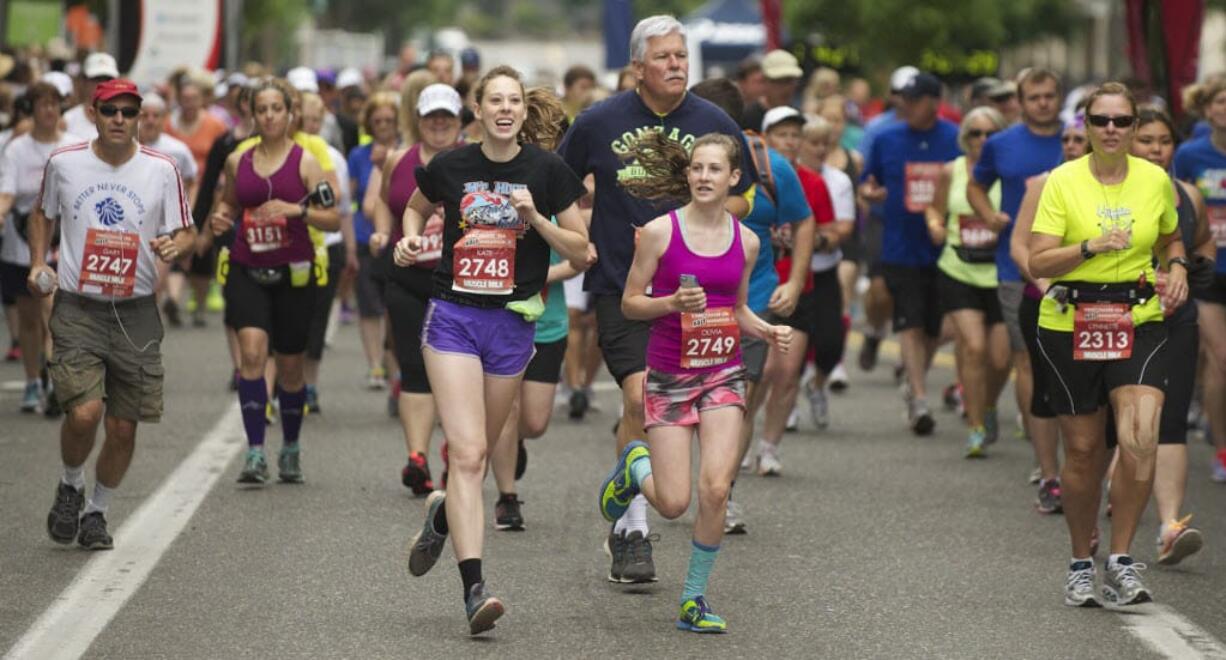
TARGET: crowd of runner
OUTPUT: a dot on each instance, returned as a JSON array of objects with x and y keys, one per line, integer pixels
[{"x": 712, "y": 243}]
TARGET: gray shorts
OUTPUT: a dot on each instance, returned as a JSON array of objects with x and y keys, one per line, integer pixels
[
  {"x": 753, "y": 355},
  {"x": 1010, "y": 294}
]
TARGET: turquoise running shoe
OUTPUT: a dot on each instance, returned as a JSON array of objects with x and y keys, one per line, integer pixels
[
  {"x": 975, "y": 443},
  {"x": 619, "y": 488},
  {"x": 696, "y": 616}
]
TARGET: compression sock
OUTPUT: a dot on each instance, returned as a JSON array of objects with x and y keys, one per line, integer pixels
[
  {"x": 640, "y": 470},
  {"x": 292, "y": 406},
  {"x": 470, "y": 574},
  {"x": 253, "y": 399},
  {"x": 702, "y": 559},
  {"x": 74, "y": 476},
  {"x": 100, "y": 500}
]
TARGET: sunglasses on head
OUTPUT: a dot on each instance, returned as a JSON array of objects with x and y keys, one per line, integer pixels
[
  {"x": 1101, "y": 121},
  {"x": 109, "y": 110},
  {"x": 975, "y": 133}
]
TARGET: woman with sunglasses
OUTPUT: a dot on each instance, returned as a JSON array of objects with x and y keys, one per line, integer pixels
[
  {"x": 271, "y": 288},
  {"x": 1202, "y": 162},
  {"x": 1100, "y": 221},
  {"x": 967, "y": 280}
]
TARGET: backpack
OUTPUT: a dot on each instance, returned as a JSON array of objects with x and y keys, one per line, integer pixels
[{"x": 762, "y": 162}]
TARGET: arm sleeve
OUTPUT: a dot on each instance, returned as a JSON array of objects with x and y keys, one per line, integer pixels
[
  {"x": 1051, "y": 217},
  {"x": 175, "y": 215},
  {"x": 985, "y": 170},
  {"x": 48, "y": 196}
]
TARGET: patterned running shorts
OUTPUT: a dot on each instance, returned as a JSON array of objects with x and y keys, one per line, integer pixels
[{"x": 677, "y": 399}]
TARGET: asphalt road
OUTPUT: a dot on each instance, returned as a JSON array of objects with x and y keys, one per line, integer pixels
[{"x": 873, "y": 544}]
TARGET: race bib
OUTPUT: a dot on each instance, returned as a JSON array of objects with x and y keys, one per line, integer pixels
[
  {"x": 108, "y": 265},
  {"x": 709, "y": 338},
  {"x": 1102, "y": 331},
  {"x": 1217, "y": 225},
  {"x": 265, "y": 235},
  {"x": 431, "y": 242},
  {"x": 920, "y": 185},
  {"x": 974, "y": 232},
  {"x": 483, "y": 262}
]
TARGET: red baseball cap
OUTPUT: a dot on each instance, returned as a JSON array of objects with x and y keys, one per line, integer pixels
[{"x": 105, "y": 91}]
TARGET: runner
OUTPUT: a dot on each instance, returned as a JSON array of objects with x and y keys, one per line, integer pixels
[
  {"x": 120, "y": 206},
  {"x": 697, "y": 261},
  {"x": 901, "y": 170},
  {"x": 21, "y": 173},
  {"x": 594, "y": 145},
  {"x": 97, "y": 69},
  {"x": 1202, "y": 162},
  {"x": 967, "y": 281},
  {"x": 497, "y": 198},
  {"x": 272, "y": 287},
  {"x": 1099, "y": 222}
]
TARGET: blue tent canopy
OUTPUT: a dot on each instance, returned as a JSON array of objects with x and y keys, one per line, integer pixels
[{"x": 728, "y": 30}]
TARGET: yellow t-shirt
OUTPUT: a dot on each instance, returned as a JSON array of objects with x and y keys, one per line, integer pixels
[{"x": 1075, "y": 206}]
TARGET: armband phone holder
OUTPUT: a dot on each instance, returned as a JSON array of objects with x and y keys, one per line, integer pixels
[{"x": 322, "y": 196}]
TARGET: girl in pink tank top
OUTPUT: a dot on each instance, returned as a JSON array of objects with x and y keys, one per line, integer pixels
[{"x": 697, "y": 261}]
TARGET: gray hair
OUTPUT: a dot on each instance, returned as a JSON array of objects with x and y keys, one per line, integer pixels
[
  {"x": 652, "y": 26},
  {"x": 991, "y": 114}
]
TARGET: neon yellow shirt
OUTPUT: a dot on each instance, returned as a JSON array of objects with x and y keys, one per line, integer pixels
[{"x": 1074, "y": 207}]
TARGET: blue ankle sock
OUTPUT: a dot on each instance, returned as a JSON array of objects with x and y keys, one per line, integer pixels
[
  {"x": 640, "y": 470},
  {"x": 292, "y": 404},
  {"x": 253, "y": 399},
  {"x": 702, "y": 559}
]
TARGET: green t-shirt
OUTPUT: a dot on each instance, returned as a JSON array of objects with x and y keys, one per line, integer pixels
[
  {"x": 1074, "y": 206},
  {"x": 554, "y": 323},
  {"x": 981, "y": 275}
]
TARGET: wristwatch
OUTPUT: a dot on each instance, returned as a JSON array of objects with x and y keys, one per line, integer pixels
[
  {"x": 1085, "y": 250},
  {"x": 1182, "y": 261}
]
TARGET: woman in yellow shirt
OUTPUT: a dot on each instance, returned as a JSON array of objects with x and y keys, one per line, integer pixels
[{"x": 1100, "y": 221}]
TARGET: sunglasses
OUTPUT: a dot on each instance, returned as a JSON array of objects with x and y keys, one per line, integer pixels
[
  {"x": 109, "y": 110},
  {"x": 1101, "y": 121},
  {"x": 975, "y": 134},
  {"x": 1076, "y": 139}
]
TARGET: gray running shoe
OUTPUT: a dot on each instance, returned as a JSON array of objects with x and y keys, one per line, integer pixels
[
  {"x": 427, "y": 546},
  {"x": 93, "y": 535},
  {"x": 1122, "y": 583},
  {"x": 508, "y": 516},
  {"x": 288, "y": 467},
  {"x": 733, "y": 522},
  {"x": 1079, "y": 585},
  {"x": 483, "y": 609},
  {"x": 1049, "y": 497},
  {"x": 819, "y": 406},
  {"x": 639, "y": 565},
  {"x": 919, "y": 417},
  {"x": 615, "y": 547},
  {"x": 65, "y": 517},
  {"x": 255, "y": 468}
]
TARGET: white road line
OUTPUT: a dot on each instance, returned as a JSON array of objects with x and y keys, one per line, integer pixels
[
  {"x": 83, "y": 610},
  {"x": 1169, "y": 634}
]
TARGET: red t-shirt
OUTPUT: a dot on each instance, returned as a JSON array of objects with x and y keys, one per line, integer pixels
[{"x": 823, "y": 213}]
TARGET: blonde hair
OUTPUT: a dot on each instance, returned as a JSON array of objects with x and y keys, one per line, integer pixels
[
  {"x": 409, "y": 121},
  {"x": 376, "y": 101},
  {"x": 817, "y": 127},
  {"x": 992, "y": 114}
]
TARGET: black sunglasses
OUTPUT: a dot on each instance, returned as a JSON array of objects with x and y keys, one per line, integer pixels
[
  {"x": 975, "y": 133},
  {"x": 1101, "y": 121},
  {"x": 1073, "y": 138},
  {"x": 109, "y": 110}
]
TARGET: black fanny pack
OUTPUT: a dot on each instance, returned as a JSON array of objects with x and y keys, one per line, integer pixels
[
  {"x": 979, "y": 255},
  {"x": 268, "y": 276},
  {"x": 1131, "y": 294}
]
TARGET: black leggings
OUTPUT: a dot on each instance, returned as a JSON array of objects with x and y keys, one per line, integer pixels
[
  {"x": 826, "y": 333},
  {"x": 323, "y": 304},
  {"x": 407, "y": 297}
]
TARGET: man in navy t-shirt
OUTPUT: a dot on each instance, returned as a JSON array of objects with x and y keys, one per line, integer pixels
[{"x": 901, "y": 170}]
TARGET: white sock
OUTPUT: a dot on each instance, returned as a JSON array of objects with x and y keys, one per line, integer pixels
[
  {"x": 1074, "y": 560},
  {"x": 100, "y": 500},
  {"x": 74, "y": 476},
  {"x": 1112, "y": 560},
  {"x": 635, "y": 519}
]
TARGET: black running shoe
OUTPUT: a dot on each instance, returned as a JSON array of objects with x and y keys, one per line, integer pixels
[
  {"x": 416, "y": 475},
  {"x": 483, "y": 609},
  {"x": 171, "y": 310},
  {"x": 427, "y": 546},
  {"x": 579, "y": 404},
  {"x": 93, "y": 535},
  {"x": 507, "y": 514},
  {"x": 615, "y": 547},
  {"x": 52, "y": 408},
  {"x": 521, "y": 460},
  {"x": 868, "y": 353},
  {"x": 639, "y": 565},
  {"x": 65, "y": 516}
]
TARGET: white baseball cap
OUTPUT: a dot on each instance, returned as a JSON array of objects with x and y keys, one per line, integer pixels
[
  {"x": 99, "y": 65},
  {"x": 60, "y": 81},
  {"x": 349, "y": 77},
  {"x": 901, "y": 76},
  {"x": 783, "y": 113},
  {"x": 303, "y": 79},
  {"x": 439, "y": 97}
]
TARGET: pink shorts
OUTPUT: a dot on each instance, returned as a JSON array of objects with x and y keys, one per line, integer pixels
[{"x": 677, "y": 399}]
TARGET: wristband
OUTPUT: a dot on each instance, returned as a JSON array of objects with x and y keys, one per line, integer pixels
[
  {"x": 1182, "y": 261},
  {"x": 1085, "y": 250}
]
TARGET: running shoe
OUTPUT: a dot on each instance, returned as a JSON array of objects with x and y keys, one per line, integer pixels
[
  {"x": 639, "y": 565},
  {"x": 579, "y": 404},
  {"x": 1036, "y": 475},
  {"x": 769, "y": 464},
  {"x": 819, "y": 405},
  {"x": 376, "y": 379},
  {"x": 1219, "y": 470},
  {"x": 93, "y": 534},
  {"x": 507, "y": 514},
  {"x": 619, "y": 487},
  {"x": 65, "y": 517},
  {"x": 312, "y": 400},
  {"x": 289, "y": 469},
  {"x": 170, "y": 309},
  {"x": 427, "y": 545},
  {"x": 483, "y": 609},
  {"x": 615, "y": 548},
  {"x": 1049, "y": 497},
  {"x": 255, "y": 467},
  {"x": 974, "y": 443},
  {"x": 1178, "y": 541},
  {"x": 214, "y": 301},
  {"x": 14, "y": 353},
  {"x": 696, "y": 616},
  {"x": 793, "y": 423},
  {"x": 919, "y": 418},
  {"x": 838, "y": 379},
  {"x": 951, "y": 397},
  {"x": 416, "y": 475},
  {"x": 868, "y": 352},
  {"x": 32, "y": 398},
  {"x": 1122, "y": 583},
  {"x": 1079, "y": 585},
  {"x": 733, "y": 522},
  {"x": 991, "y": 426},
  {"x": 521, "y": 460}
]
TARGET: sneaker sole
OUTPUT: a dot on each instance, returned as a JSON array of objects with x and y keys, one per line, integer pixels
[
  {"x": 63, "y": 540},
  {"x": 424, "y": 561},
  {"x": 769, "y": 473},
  {"x": 510, "y": 527},
  {"x": 1187, "y": 544},
  {"x": 639, "y": 580},
  {"x": 1040, "y": 509},
  {"x": 923, "y": 425},
  {"x": 485, "y": 616},
  {"x": 976, "y": 453},
  {"x": 736, "y": 530},
  {"x": 98, "y": 545},
  {"x": 609, "y": 553},
  {"x": 689, "y": 627},
  {"x": 252, "y": 479},
  {"x": 1112, "y": 597},
  {"x": 1090, "y": 602},
  {"x": 297, "y": 479}
]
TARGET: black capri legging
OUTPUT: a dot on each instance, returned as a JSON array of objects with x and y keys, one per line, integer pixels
[
  {"x": 407, "y": 295},
  {"x": 819, "y": 313},
  {"x": 323, "y": 304}
]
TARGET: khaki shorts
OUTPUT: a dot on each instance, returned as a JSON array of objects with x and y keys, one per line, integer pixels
[{"x": 95, "y": 360}]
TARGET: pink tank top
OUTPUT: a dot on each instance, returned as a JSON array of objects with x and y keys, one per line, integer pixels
[
  {"x": 272, "y": 241},
  {"x": 698, "y": 343}
]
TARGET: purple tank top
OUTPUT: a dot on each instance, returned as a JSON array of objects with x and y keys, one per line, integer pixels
[
  {"x": 277, "y": 241},
  {"x": 400, "y": 189},
  {"x": 719, "y": 276}
]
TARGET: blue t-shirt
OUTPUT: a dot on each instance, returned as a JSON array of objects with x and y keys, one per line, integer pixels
[
  {"x": 897, "y": 150},
  {"x": 793, "y": 207},
  {"x": 360, "y": 168},
  {"x": 1201, "y": 129},
  {"x": 595, "y": 144},
  {"x": 1012, "y": 156},
  {"x": 875, "y": 127},
  {"x": 1200, "y": 163}
]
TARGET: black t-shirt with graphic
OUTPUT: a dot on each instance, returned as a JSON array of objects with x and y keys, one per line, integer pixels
[{"x": 476, "y": 194}]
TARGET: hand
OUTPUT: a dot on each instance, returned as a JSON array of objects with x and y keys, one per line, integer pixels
[
  {"x": 1116, "y": 239},
  {"x": 873, "y": 192},
  {"x": 592, "y": 257},
  {"x": 780, "y": 337},
  {"x": 406, "y": 250},
  {"x": 378, "y": 153},
  {"x": 32, "y": 281},
  {"x": 220, "y": 223},
  {"x": 1175, "y": 293},
  {"x": 522, "y": 201},
  {"x": 1042, "y": 284},
  {"x": 937, "y": 232},
  {"x": 998, "y": 222},
  {"x": 781, "y": 235},
  {"x": 378, "y": 241},
  {"x": 689, "y": 299},
  {"x": 783, "y": 300},
  {"x": 165, "y": 248},
  {"x": 1200, "y": 272},
  {"x": 277, "y": 208}
]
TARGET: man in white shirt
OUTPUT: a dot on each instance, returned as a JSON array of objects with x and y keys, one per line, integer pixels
[
  {"x": 120, "y": 207},
  {"x": 98, "y": 68},
  {"x": 150, "y": 134}
]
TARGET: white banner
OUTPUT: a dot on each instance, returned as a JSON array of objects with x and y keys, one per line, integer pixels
[{"x": 176, "y": 33}]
